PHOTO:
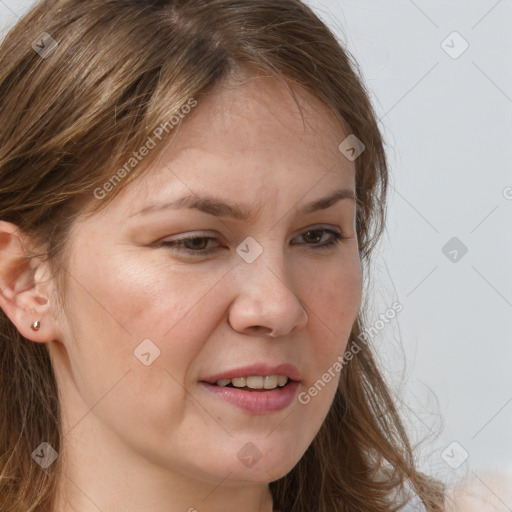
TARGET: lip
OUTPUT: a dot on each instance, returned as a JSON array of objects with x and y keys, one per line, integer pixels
[
  {"x": 261, "y": 369},
  {"x": 256, "y": 401}
]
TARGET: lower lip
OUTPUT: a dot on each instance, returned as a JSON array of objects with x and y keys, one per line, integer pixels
[{"x": 263, "y": 401}]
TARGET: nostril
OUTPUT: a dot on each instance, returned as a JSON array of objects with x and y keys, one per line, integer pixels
[{"x": 270, "y": 332}]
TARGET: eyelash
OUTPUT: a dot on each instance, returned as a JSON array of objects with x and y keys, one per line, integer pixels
[{"x": 173, "y": 244}]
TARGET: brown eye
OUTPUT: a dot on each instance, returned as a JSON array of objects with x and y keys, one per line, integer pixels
[
  {"x": 195, "y": 245},
  {"x": 313, "y": 237},
  {"x": 198, "y": 245}
]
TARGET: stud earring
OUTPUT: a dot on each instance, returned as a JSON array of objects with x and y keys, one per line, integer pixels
[{"x": 35, "y": 326}]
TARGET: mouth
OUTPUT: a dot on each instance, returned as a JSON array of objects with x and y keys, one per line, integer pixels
[
  {"x": 258, "y": 389},
  {"x": 254, "y": 382},
  {"x": 256, "y": 377}
]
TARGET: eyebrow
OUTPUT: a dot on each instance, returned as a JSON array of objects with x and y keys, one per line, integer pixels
[{"x": 219, "y": 208}]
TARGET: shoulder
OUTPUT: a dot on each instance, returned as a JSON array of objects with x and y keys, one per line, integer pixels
[{"x": 485, "y": 492}]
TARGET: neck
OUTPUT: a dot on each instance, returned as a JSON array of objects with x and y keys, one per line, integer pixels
[
  {"x": 134, "y": 486},
  {"x": 98, "y": 471}
]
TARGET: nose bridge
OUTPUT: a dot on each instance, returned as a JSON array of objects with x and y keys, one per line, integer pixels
[
  {"x": 265, "y": 263},
  {"x": 266, "y": 295}
]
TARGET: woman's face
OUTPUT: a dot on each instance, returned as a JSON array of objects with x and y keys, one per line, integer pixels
[{"x": 148, "y": 322}]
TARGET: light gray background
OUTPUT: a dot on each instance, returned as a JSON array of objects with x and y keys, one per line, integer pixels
[{"x": 447, "y": 123}]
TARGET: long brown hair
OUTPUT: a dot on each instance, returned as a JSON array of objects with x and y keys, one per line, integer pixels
[{"x": 83, "y": 83}]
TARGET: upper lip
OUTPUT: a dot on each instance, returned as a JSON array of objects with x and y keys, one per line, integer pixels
[{"x": 289, "y": 370}]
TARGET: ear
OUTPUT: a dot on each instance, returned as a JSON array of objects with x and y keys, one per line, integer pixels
[{"x": 25, "y": 287}]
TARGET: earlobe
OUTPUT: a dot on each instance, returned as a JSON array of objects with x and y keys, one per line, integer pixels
[{"x": 24, "y": 297}]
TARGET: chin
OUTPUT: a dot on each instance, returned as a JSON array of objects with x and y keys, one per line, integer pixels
[
  {"x": 263, "y": 462},
  {"x": 249, "y": 465}
]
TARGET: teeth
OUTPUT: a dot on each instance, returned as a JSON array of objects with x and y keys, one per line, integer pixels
[
  {"x": 271, "y": 382},
  {"x": 255, "y": 382},
  {"x": 239, "y": 382}
]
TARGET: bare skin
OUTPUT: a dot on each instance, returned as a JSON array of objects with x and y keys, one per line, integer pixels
[
  {"x": 151, "y": 437},
  {"x": 485, "y": 492}
]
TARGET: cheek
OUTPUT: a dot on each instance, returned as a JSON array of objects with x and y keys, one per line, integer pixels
[
  {"x": 117, "y": 303},
  {"x": 334, "y": 299},
  {"x": 122, "y": 305},
  {"x": 147, "y": 297},
  {"x": 334, "y": 302}
]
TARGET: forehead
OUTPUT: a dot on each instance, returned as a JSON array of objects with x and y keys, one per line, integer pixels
[
  {"x": 250, "y": 113},
  {"x": 251, "y": 138}
]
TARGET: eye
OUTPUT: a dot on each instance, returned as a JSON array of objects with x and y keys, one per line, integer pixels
[
  {"x": 197, "y": 245},
  {"x": 317, "y": 234}
]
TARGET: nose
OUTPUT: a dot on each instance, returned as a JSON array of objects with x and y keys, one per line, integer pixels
[{"x": 266, "y": 303}]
